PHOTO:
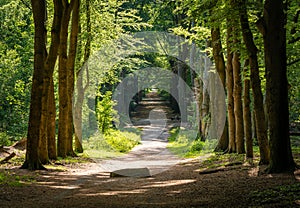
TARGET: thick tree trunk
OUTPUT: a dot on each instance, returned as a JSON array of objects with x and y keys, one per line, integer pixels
[
  {"x": 63, "y": 131},
  {"x": 220, "y": 67},
  {"x": 247, "y": 113},
  {"x": 32, "y": 160},
  {"x": 48, "y": 78},
  {"x": 256, "y": 86},
  {"x": 238, "y": 106},
  {"x": 281, "y": 159},
  {"x": 229, "y": 85}
]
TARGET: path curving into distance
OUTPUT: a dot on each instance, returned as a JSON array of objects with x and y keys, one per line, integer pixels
[{"x": 151, "y": 157}]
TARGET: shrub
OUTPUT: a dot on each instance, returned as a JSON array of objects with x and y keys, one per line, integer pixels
[{"x": 122, "y": 141}]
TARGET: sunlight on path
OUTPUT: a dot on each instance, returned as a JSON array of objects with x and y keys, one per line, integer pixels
[{"x": 151, "y": 156}]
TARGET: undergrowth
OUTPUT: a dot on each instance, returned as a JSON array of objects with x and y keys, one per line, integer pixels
[
  {"x": 184, "y": 143},
  {"x": 111, "y": 144}
]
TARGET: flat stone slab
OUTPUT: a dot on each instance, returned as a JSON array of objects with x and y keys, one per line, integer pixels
[{"x": 131, "y": 172}]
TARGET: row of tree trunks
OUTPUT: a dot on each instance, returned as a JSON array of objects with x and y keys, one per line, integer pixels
[
  {"x": 41, "y": 129},
  {"x": 261, "y": 127}
]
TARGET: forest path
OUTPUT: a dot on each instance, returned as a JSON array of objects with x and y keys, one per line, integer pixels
[
  {"x": 86, "y": 185},
  {"x": 155, "y": 117}
]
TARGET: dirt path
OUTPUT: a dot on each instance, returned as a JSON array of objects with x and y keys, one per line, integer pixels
[
  {"x": 178, "y": 185},
  {"x": 153, "y": 115}
]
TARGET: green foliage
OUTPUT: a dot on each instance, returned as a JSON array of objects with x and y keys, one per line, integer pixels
[
  {"x": 111, "y": 144},
  {"x": 122, "y": 141},
  {"x": 16, "y": 54},
  {"x": 184, "y": 143},
  {"x": 105, "y": 111},
  {"x": 5, "y": 139}
]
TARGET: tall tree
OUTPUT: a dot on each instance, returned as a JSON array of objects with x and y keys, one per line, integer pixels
[
  {"x": 47, "y": 128},
  {"x": 66, "y": 76},
  {"x": 272, "y": 26},
  {"x": 32, "y": 160},
  {"x": 220, "y": 67},
  {"x": 261, "y": 127}
]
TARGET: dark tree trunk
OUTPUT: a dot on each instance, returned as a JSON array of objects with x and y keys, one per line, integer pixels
[
  {"x": 229, "y": 85},
  {"x": 247, "y": 113},
  {"x": 261, "y": 128},
  {"x": 274, "y": 33},
  {"x": 51, "y": 128},
  {"x": 63, "y": 132},
  {"x": 32, "y": 160}
]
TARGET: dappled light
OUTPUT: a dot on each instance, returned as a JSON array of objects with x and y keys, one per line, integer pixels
[{"x": 134, "y": 103}]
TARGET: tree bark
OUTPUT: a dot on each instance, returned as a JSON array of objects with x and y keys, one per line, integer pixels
[
  {"x": 63, "y": 131},
  {"x": 220, "y": 67},
  {"x": 32, "y": 160},
  {"x": 51, "y": 128},
  {"x": 274, "y": 21},
  {"x": 256, "y": 86},
  {"x": 71, "y": 74},
  {"x": 229, "y": 85},
  {"x": 80, "y": 88},
  {"x": 238, "y": 106},
  {"x": 247, "y": 113}
]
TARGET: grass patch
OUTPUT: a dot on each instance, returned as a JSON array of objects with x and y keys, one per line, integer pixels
[
  {"x": 218, "y": 160},
  {"x": 10, "y": 179},
  {"x": 285, "y": 196},
  {"x": 112, "y": 144},
  {"x": 184, "y": 143}
]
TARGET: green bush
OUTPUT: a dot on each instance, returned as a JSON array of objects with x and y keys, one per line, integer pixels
[
  {"x": 4, "y": 139},
  {"x": 122, "y": 141},
  {"x": 196, "y": 146}
]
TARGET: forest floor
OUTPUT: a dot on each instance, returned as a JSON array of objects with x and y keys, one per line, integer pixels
[{"x": 211, "y": 180}]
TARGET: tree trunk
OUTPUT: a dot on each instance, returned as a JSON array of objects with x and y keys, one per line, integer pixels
[
  {"x": 71, "y": 74},
  {"x": 220, "y": 67},
  {"x": 80, "y": 88},
  {"x": 63, "y": 131},
  {"x": 274, "y": 21},
  {"x": 238, "y": 105},
  {"x": 51, "y": 128},
  {"x": 229, "y": 85},
  {"x": 256, "y": 86},
  {"x": 247, "y": 113},
  {"x": 32, "y": 160}
]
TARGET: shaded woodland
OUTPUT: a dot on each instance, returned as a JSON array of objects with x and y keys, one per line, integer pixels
[{"x": 253, "y": 45}]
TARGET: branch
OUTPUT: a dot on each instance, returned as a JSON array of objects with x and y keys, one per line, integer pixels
[
  {"x": 261, "y": 26},
  {"x": 26, "y": 4},
  {"x": 293, "y": 62}
]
